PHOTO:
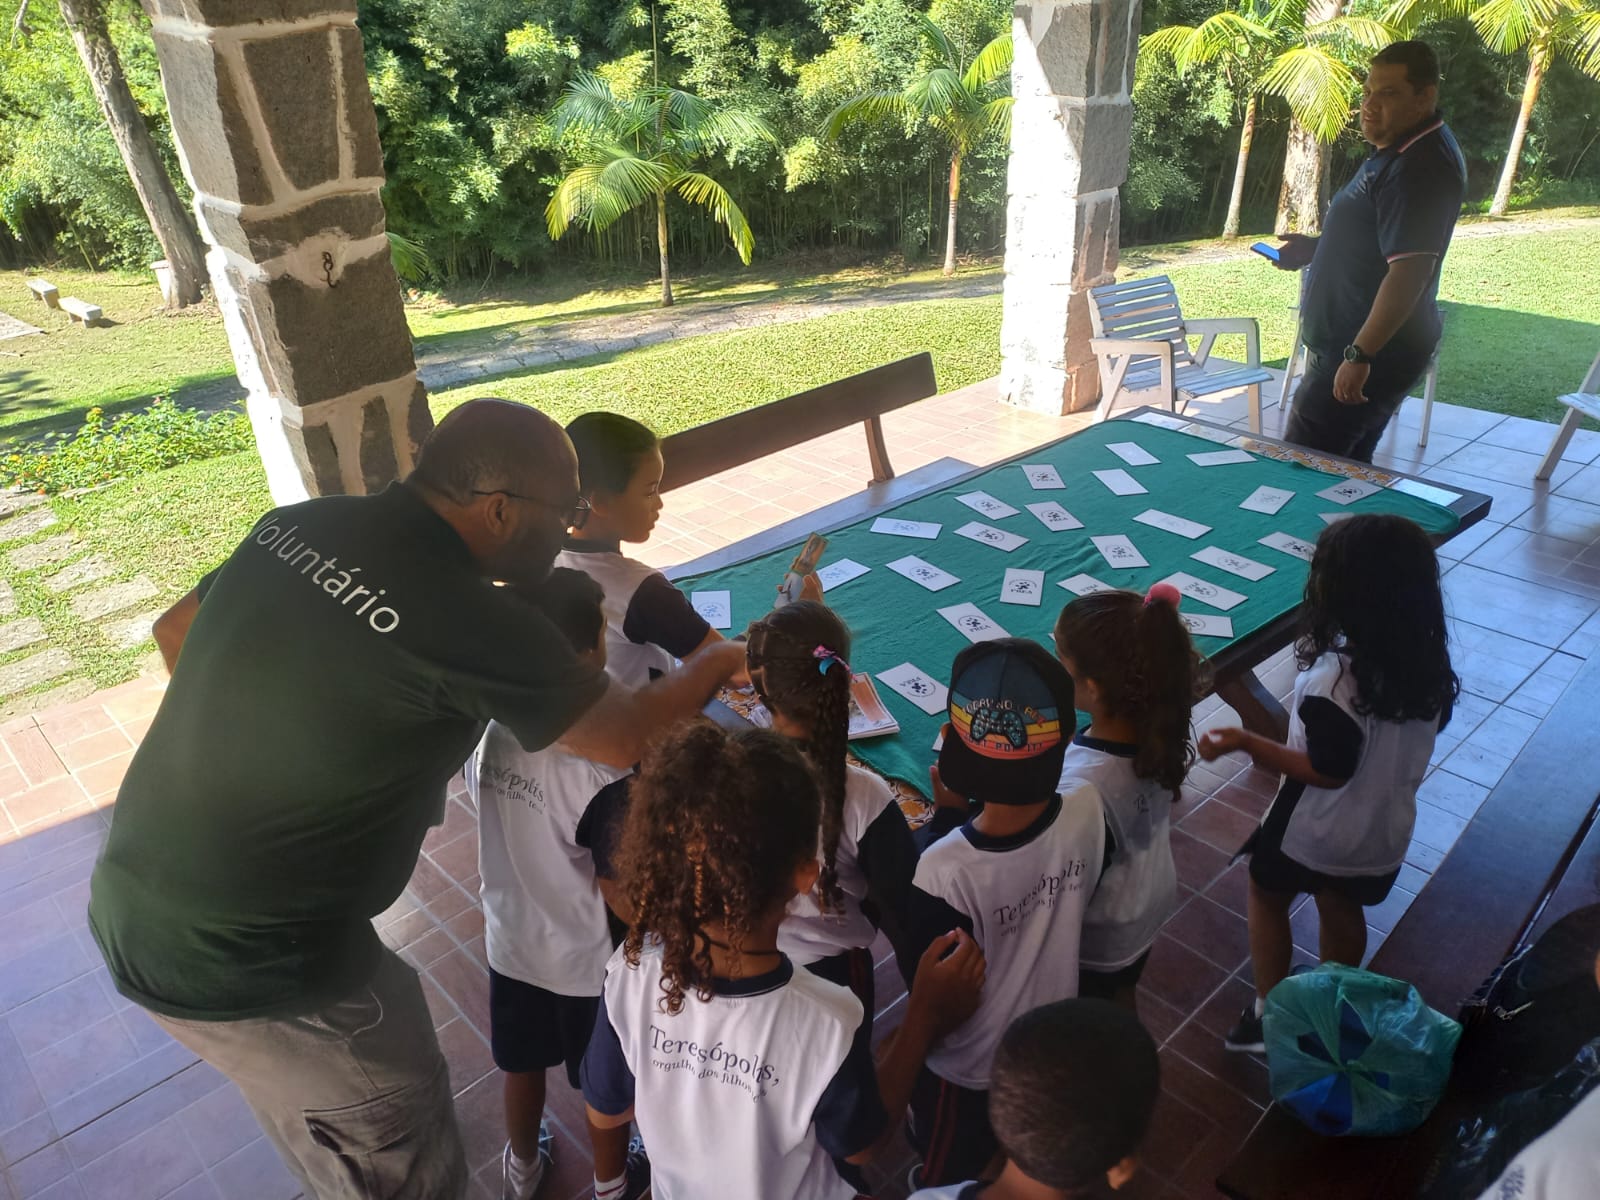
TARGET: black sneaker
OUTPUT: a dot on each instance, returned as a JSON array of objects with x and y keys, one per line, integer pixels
[
  {"x": 638, "y": 1171},
  {"x": 1246, "y": 1037}
]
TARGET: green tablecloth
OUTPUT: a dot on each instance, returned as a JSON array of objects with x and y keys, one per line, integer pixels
[{"x": 894, "y": 620}]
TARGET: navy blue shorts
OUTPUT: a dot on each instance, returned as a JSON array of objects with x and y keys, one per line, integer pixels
[
  {"x": 950, "y": 1129},
  {"x": 1104, "y": 985},
  {"x": 532, "y": 1029}
]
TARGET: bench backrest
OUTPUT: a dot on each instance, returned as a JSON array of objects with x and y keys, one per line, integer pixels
[
  {"x": 721, "y": 445},
  {"x": 1143, "y": 309}
]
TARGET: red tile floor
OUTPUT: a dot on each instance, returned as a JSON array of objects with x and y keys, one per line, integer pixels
[{"x": 96, "y": 1102}]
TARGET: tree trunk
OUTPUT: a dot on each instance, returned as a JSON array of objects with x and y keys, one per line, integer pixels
[
  {"x": 1537, "y": 64},
  {"x": 1300, "y": 198},
  {"x": 661, "y": 244},
  {"x": 1230, "y": 227},
  {"x": 950, "y": 227},
  {"x": 169, "y": 220}
]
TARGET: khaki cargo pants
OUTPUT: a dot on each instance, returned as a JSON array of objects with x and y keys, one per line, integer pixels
[{"x": 355, "y": 1096}]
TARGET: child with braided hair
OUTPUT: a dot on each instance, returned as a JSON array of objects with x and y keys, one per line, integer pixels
[
  {"x": 1134, "y": 671},
  {"x": 797, "y": 660},
  {"x": 744, "y": 1074}
]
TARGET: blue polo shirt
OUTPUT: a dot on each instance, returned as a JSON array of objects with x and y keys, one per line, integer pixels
[{"x": 1403, "y": 201}]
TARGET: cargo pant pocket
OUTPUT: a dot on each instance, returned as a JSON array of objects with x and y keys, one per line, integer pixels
[{"x": 401, "y": 1145}]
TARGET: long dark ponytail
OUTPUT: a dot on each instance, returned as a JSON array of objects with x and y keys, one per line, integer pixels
[{"x": 797, "y": 663}]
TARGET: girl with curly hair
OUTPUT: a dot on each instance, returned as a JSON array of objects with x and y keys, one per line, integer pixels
[
  {"x": 798, "y": 663},
  {"x": 746, "y": 1076},
  {"x": 1375, "y": 688}
]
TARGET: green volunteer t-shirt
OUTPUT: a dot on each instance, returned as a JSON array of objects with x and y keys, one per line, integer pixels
[{"x": 341, "y": 666}]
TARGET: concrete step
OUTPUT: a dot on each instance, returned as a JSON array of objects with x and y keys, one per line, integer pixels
[
  {"x": 42, "y": 553},
  {"x": 34, "y": 670},
  {"x": 26, "y": 524},
  {"x": 18, "y": 634},
  {"x": 114, "y": 597},
  {"x": 85, "y": 570}
]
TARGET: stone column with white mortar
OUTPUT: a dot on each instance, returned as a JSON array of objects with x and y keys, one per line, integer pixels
[
  {"x": 1071, "y": 75},
  {"x": 275, "y": 127}
]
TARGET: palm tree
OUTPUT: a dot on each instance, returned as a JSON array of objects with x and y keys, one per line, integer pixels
[
  {"x": 1547, "y": 29},
  {"x": 634, "y": 149},
  {"x": 961, "y": 101}
]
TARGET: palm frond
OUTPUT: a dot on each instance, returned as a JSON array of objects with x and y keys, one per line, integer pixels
[
  {"x": 1167, "y": 42},
  {"x": 939, "y": 91},
  {"x": 411, "y": 259},
  {"x": 996, "y": 117},
  {"x": 1365, "y": 32},
  {"x": 721, "y": 129},
  {"x": 939, "y": 42},
  {"x": 1403, "y": 16},
  {"x": 681, "y": 110},
  {"x": 1580, "y": 42},
  {"x": 993, "y": 62},
  {"x": 1317, "y": 86},
  {"x": 1506, "y": 26},
  {"x": 1224, "y": 35},
  {"x": 569, "y": 203},
  {"x": 709, "y": 194},
  {"x": 588, "y": 103},
  {"x": 870, "y": 108},
  {"x": 594, "y": 194}
]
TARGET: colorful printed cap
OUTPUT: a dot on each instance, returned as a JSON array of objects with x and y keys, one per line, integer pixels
[{"x": 1011, "y": 720}]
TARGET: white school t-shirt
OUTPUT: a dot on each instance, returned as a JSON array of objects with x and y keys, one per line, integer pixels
[
  {"x": 1365, "y": 826},
  {"x": 634, "y": 663},
  {"x": 1025, "y": 898},
  {"x": 1139, "y": 887},
  {"x": 737, "y": 1095},
  {"x": 1562, "y": 1164},
  {"x": 807, "y": 933},
  {"x": 544, "y": 918}
]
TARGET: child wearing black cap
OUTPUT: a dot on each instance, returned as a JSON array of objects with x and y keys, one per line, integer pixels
[{"x": 1017, "y": 877}]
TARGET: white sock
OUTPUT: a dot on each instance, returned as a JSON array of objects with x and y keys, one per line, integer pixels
[
  {"x": 1261, "y": 1006},
  {"x": 610, "y": 1189},
  {"x": 526, "y": 1175}
]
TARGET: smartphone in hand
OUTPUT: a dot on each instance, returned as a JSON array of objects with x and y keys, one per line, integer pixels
[{"x": 1270, "y": 253}]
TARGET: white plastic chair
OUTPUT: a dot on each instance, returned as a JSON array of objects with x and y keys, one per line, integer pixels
[{"x": 1585, "y": 402}]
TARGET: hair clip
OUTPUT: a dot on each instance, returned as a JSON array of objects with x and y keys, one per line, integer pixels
[
  {"x": 826, "y": 658},
  {"x": 1162, "y": 593}
]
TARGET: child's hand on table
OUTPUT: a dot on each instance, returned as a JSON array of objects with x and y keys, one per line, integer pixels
[
  {"x": 949, "y": 981},
  {"x": 1215, "y": 744}
]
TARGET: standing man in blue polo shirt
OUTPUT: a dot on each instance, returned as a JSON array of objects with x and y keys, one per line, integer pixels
[{"x": 1369, "y": 318}]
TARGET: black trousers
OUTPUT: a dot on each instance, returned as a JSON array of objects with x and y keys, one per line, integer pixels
[{"x": 1319, "y": 422}]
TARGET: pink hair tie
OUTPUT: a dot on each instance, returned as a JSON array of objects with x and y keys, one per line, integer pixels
[
  {"x": 1162, "y": 593},
  {"x": 826, "y": 658}
]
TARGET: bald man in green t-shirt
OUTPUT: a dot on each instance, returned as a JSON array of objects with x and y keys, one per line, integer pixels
[{"x": 327, "y": 681}]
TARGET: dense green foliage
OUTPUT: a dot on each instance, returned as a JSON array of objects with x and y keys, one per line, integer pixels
[{"x": 134, "y": 443}]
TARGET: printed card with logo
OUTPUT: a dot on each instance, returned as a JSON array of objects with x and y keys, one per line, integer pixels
[
  {"x": 987, "y": 505},
  {"x": 1221, "y": 458},
  {"x": 1349, "y": 491},
  {"x": 1205, "y": 625},
  {"x": 1054, "y": 516},
  {"x": 1000, "y": 539},
  {"x": 1335, "y": 518},
  {"x": 918, "y": 570},
  {"x": 902, "y": 528},
  {"x": 972, "y": 623},
  {"x": 1267, "y": 500},
  {"x": 926, "y": 692},
  {"x": 1289, "y": 545},
  {"x": 1161, "y": 420},
  {"x": 1042, "y": 477},
  {"x": 715, "y": 607},
  {"x": 1178, "y": 525},
  {"x": 1022, "y": 587},
  {"x": 1132, "y": 453},
  {"x": 1119, "y": 551},
  {"x": 1085, "y": 585},
  {"x": 1121, "y": 483},
  {"x": 841, "y": 572},
  {"x": 1233, "y": 564},
  {"x": 1213, "y": 594}
]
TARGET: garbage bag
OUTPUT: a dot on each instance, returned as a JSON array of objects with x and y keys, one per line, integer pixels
[{"x": 1350, "y": 1052}]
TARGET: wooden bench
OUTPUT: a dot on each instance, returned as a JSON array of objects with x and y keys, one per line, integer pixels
[
  {"x": 82, "y": 310},
  {"x": 43, "y": 289},
  {"x": 718, "y": 446},
  {"x": 1141, "y": 339},
  {"x": 1532, "y": 843}
]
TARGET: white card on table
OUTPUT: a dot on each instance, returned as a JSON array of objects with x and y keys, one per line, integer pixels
[
  {"x": 972, "y": 623},
  {"x": 1119, "y": 551},
  {"x": 921, "y": 571},
  {"x": 1022, "y": 587},
  {"x": 1213, "y": 594},
  {"x": 1289, "y": 545},
  {"x": 926, "y": 692},
  {"x": 715, "y": 607},
  {"x": 1207, "y": 626},
  {"x": 1001, "y": 539},
  {"x": 1161, "y": 419},
  {"x": 1349, "y": 491},
  {"x": 1267, "y": 500},
  {"x": 1221, "y": 458},
  {"x": 1335, "y": 518},
  {"x": 1121, "y": 483},
  {"x": 1234, "y": 564},
  {"x": 903, "y": 528},
  {"x": 938, "y": 740},
  {"x": 843, "y": 571},
  {"x": 1085, "y": 585},
  {"x": 1054, "y": 516},
  {"x": 988, "y": 505},
  {"x": 1042, "y": 476},
  {"x": 1172, "y": 524},
  {"x": 1132, "y": 453}
]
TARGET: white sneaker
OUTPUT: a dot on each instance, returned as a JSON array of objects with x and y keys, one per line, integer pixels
[{"x": 515, "y": 1185}]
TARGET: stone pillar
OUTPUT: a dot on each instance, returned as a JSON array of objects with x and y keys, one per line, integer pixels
[
  {"x": 276, "y": 131},
  {"x": 1072, "y": 74}
]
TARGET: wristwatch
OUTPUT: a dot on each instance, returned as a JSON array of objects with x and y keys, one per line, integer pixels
[{"x": 1354, "y": 353}]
